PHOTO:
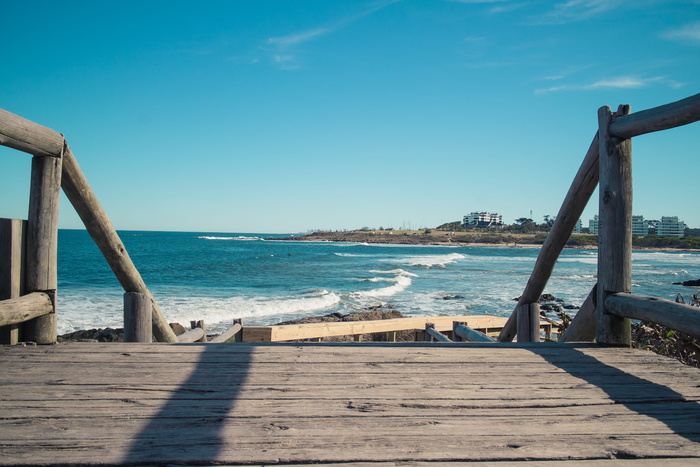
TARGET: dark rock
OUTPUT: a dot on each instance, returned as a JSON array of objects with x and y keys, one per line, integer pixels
[
  {"x": 691, "y": 283},
  {"x": 94, "y": 335},
  {"x": 452, "y": 297}
]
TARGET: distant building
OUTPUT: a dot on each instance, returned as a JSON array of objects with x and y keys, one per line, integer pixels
[
  {"x": 640, "y": 227},
  {"x": 670, "y": 226},
  {"x": 483, "y": 219},
  {"x": 593, "y": 225},
  {"x": 578, "y": 228}
]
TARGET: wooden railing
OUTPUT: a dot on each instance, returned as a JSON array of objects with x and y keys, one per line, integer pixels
[
  {"x": 608, "y": 163},
  {"x": 28, "y": 276},
  {"x": 53, "y": 167}
]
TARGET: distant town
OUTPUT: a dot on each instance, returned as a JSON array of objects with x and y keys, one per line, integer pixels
[{"x": 667, "y": 226}]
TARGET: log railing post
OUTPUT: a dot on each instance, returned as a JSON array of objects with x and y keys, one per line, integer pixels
[
  {"x": 101, "y": 230},
  {"x": 581, "y": 190},
  {"x": 615, "y": 228},
  {"x": 12, "y": 242},
  {"x": 528, "y": 322},
  {"x": 42, "y": 242},
  {"x": 137, "y": 317},
  {"x": 583, "y": 326}
]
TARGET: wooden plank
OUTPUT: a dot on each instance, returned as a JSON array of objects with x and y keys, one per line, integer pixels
[
  {"x": 42, "y": 243},
  {"x": 99, "y": 226},
  {"x": 12, "y": 242},
  {"x": 659, "y": 118},
  {"x": 298, "y": 404},
  {"x": 25, "y": 308},
  {"x": 678, "y": 316},
  {"x": 580, "y": 192},
  {"x": 615, "y": 228},
  {"x": 21, "y": 134},
  {"x": 347, "y": 328}
]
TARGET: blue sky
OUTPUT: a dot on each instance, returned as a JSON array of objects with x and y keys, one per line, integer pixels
[{"x": 284, "y": 116}]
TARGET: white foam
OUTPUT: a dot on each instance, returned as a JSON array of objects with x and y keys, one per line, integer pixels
[
  {"x": 434, "y": 260},
  {"x": 240, "y": 237},
  {"x": 224, "y": 310},
  {"x": 401, "y": 282},
  {"x": 401, "y": 272}
]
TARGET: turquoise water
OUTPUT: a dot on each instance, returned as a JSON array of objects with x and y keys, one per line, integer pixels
[{"x": 218, "y": 277}]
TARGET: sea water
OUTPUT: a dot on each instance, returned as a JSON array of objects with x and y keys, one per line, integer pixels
[{"x": 219, "y": 277}]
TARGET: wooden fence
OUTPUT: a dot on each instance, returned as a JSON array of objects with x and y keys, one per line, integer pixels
[
  {"x": 606, "y": 312},
  {"x": 29, "y": 268}
]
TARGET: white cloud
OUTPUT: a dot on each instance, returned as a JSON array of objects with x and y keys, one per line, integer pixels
[
  {"x": 689, "y": 32},
  {"x": 286, "y": 47},
  {"x": 576, "y": 10},
  {"x": 620, "y": 82}
]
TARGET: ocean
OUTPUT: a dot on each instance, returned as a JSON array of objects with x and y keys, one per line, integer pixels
[{"x": 219, "y": 277}]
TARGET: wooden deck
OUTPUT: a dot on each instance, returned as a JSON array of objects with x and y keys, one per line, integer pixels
[{"x": 206, "y": 404}]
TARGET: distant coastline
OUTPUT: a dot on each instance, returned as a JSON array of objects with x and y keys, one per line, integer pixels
[{"x": 488, "y": 238}]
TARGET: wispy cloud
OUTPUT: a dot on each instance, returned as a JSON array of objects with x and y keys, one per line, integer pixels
[
  {"x": 620, "y": 82},
  {"x": 576, "y": 10},
  {"x": 286, "y": 48},
  {"x": 689, "y": 32}
]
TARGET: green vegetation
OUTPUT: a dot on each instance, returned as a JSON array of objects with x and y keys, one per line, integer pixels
[
  {"x": 525, "y": 233},
  {"x": 654, "y": 241}
]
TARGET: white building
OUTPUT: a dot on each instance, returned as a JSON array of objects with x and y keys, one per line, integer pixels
[
  {"x": 670, "y": 226},
  {"x": 482, "y": 219},
  {"x": 578, "y": 227},
  {"x": 640, "y": 227},
  {"x": 593, "y": 225}
]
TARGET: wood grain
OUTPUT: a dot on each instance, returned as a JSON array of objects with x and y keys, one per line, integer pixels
[{"x": 198, "y": 404}]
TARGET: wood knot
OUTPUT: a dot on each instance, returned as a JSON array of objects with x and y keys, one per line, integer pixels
[{"x": 607, "y": 196}]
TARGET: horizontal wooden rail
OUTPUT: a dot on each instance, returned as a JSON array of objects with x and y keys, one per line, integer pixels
[
  {"x": 431, "y": 334},
  {"x": 678, "y": 316},
  {"x": 192, "y": 335},
  {"x": 464, "y": 332},
  {"x": 664, "y": 117},
  {"x": 24, "y": 308},
  {"x": 26, "y": 136},
  {"x": 228, "y": 334}
]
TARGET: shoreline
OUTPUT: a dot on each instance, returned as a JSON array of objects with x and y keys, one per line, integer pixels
[{"x": 432, "y": 242}]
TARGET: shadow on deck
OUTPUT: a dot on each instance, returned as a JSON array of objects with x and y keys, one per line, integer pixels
[{"x": 140, "y": 404}]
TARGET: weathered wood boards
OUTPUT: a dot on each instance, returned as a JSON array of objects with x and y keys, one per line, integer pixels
[{"x": 198, "y": 404}]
